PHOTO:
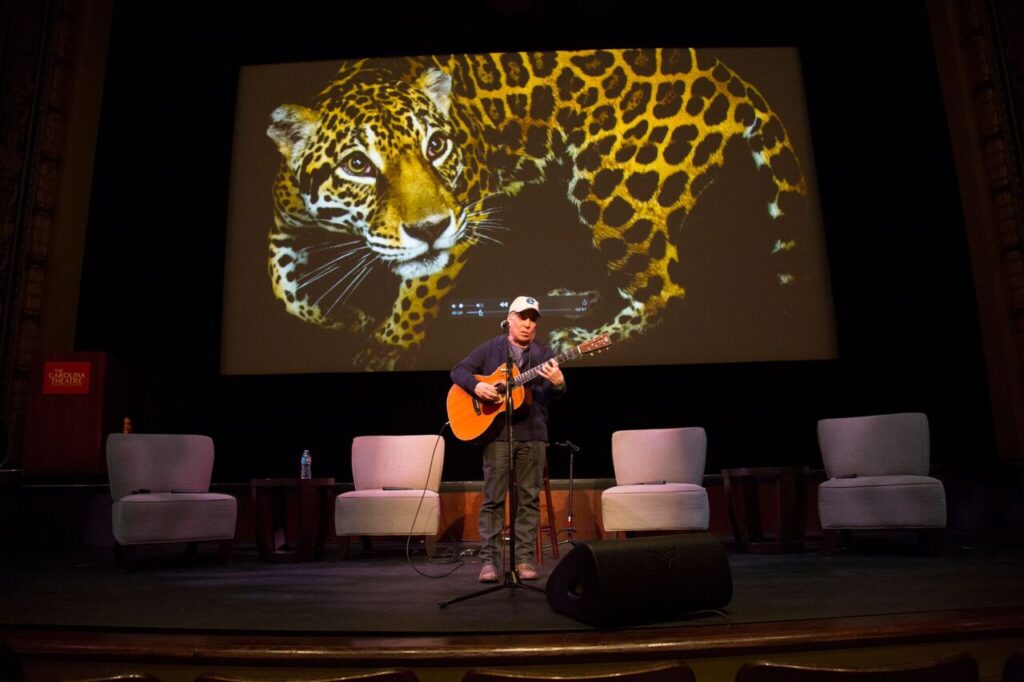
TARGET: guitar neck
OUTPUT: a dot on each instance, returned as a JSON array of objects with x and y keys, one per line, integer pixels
[{"x": 529, "y": 374}]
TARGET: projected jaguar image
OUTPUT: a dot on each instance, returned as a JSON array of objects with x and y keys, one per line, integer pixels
[{"x": 401, "y": 164}]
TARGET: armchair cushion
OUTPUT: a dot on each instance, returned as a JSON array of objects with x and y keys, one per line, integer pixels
[
  {"x": 174, "y": 517},
  {"x": 387, "y": 512},
  {"x": 674, "y": 455},
  {"x": 669, "y": 506},
  {"x": 882, "y": 502},
  {"x": 875, "y": 445},
  {"x": 158, "y": 462}
]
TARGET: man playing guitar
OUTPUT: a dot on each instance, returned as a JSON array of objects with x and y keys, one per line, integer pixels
[{"x": 529, "y": 433}]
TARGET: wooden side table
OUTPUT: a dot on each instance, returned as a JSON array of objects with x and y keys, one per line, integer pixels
[
  {"x": 742, "y": 492},
  {"x": 292, "y": 517}
]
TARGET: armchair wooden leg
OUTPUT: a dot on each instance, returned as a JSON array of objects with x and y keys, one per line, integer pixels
[
  {"x": 227, "y": 552},
  {"x": 124, "y": 557},
  {"x": 344, "y": 541},
  {"x": 935, "y": 540},
  {"x": 831, "y": 540},
  {"x": 430, "y": 542}
]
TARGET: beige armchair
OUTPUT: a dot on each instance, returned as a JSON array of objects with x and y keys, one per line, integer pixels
[
  {"x": 658, "y": 481},
  {"x": 160, "y": 486},
  {"x": 877, "y": 468},
  {"x": 397, "y": 479}
]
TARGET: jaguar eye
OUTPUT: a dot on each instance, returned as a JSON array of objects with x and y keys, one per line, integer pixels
[
  {"x": 358, "y": 164},
  {"x": 437, "y": 145}
]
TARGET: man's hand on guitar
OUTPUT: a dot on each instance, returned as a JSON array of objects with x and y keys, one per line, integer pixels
[
  {"x": 487, "y": 392},
  {"x": 552, "y": 372}
]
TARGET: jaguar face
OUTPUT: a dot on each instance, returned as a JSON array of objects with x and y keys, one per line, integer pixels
[{"x": 379, "y": 163}]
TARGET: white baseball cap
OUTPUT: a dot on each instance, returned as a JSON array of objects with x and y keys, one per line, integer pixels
[{"x": 524, "y": 303}]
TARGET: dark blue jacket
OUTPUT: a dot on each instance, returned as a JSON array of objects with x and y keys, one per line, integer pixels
[{"x": 531, "y": 424}]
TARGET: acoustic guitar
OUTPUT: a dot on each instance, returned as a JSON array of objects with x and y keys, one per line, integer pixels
[{"x": 471, "y": 417}]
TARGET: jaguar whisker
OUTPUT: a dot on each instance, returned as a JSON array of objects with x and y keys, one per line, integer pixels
[
  {"x": 352, "y": 286},
  {"x": 366, "y": 261},
  {"x": 324, "y": 269}
]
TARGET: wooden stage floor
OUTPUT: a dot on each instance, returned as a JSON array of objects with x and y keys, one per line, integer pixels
[{"x": 75, "y": 615}]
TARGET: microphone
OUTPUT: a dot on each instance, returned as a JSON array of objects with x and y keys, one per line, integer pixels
[
  {"x": 568, "y": 444},
  {"x": 504, "y": 325}
]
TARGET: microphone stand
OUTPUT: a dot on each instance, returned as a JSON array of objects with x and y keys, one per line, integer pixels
[
  {"x": 569, "y": 530},
  {"x": 511, "y": 579}
]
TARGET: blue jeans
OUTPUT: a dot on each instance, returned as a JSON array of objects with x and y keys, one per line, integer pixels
[{"x": 529, "y": 458}]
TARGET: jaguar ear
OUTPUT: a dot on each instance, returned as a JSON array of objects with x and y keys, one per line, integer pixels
[
  {"x": 291, "y": 127},
  {"x": 438, "y": 87}
]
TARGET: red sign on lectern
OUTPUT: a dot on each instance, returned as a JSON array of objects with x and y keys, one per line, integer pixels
[{"x": 66, "y": 377}]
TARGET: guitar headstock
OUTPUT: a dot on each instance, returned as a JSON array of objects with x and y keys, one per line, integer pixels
[{"x": 595, "y": 344}]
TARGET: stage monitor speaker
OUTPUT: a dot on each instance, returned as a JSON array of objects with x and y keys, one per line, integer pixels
[{"x": 661, "y": 578}]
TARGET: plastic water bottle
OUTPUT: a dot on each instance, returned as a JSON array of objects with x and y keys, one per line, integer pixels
[{"x": 306, "y": 465}]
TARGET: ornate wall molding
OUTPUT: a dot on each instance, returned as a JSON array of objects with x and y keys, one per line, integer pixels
[
  {"x": 38, "y": 56},
  {"x": 979, "y": 66}
]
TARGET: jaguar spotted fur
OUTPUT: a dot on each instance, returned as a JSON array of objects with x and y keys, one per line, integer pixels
[{"x": 396, "y": 164}]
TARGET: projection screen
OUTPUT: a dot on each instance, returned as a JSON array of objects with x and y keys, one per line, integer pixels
[{"x": 383, "y": 212}]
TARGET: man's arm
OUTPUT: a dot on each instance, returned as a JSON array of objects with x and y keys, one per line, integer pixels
[{"x": 464, "y": 373}]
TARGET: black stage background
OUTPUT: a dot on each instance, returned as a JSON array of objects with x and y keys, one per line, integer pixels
[{"x": 904, "y": 301}]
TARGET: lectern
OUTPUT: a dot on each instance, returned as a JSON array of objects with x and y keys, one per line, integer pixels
[{"x": 75, "y": 400}]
